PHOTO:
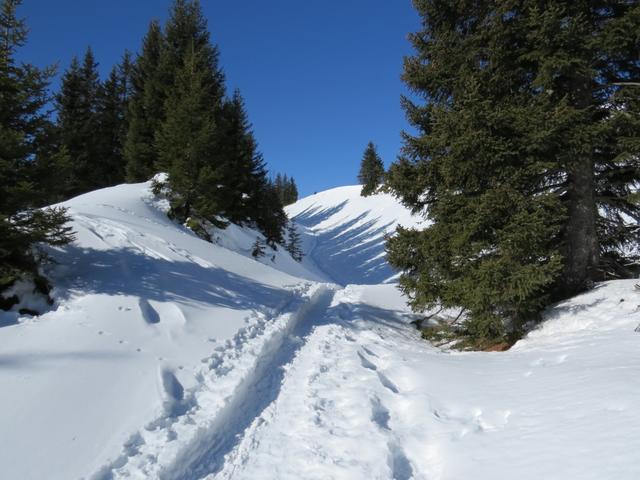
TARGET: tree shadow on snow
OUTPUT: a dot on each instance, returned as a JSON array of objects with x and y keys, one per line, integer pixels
[
  {"x": 312, "y": 216},
  {"x": 354, "y": 251},
  {"x": 132, "y": 273}
]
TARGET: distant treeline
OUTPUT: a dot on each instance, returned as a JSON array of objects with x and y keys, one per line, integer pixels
[{"x": 165, "y": 109}]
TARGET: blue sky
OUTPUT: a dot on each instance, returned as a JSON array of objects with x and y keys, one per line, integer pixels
[{"x": 320, "y": 78}]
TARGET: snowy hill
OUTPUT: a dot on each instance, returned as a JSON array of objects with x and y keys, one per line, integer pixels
[
  {"x": 167, "y": 357},
  {"x": 347, "y": 232}
]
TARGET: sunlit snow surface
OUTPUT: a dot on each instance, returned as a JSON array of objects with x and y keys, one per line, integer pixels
[
  {"x": 170, "y": 358},
  {"x": 348, "y": 232}
]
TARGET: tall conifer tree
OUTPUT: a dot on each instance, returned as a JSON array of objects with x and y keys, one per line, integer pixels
[
  {"x": 24, "y": 133},
  {"x": 511, "y": 155},
  {"x": 371, "y": 173},
  {"x": 77, "y": 105},
  {"x": 186, "y": 143},
  {"x": 111, "y": 107},
  {"x": 146, "y": 108}
]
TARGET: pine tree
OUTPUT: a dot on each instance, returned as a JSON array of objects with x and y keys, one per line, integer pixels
[
  {"x": 24, "y": 133},
  {"x": 371, "y": 173},
  {"x": 293, "y": 245},
  {"x": 186, "y": 31},
  {"x": 240, "y": 162},
  {"x": 478, "y": 168},
  {"x": 292, "y": 192},
  {"x": 186, "y": 144},
  {"x": 584, "y": 54},
  {"x": 269, "y": 214},
  {"x": 78, "y": 123},
  {"x": 111, "y": 107},
  {"x": 146, "y": 108},
  {"x": 509, "y": 156},
  {"x": 286, "y": 189},
  {"x": 258, "y": 249},
  {"x": 204, "y": 141}
]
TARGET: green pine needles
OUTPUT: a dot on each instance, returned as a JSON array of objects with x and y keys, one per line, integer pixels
[
  {"x": 526, "y": 160},
  {"x": 26, "y": 147}
]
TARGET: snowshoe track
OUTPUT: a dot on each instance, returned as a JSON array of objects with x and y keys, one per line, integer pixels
[
  {"x": 206, "y": 454},
  {"x": 236, "y": 384}
]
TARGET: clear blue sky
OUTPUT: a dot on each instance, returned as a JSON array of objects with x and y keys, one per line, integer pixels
[{"x": 320, "y": 78}]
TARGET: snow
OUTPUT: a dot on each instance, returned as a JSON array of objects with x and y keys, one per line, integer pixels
[
  {"x": 167, "y": 357},
  {"x": 347, "y": 232}
]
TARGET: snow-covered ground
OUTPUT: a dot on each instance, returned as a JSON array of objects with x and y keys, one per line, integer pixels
[{"x": 170, "y": 358}]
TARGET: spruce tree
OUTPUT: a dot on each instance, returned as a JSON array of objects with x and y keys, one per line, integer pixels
[
  {"x": 268, "y": 213},
  {"x": 509, "y": 156},
  {"x": 477, "y": 170},
  {"x": 24, "y": 134},
  {"x": 371, "y": 173},
  {"x": 291, "y": 192},
  {"x": 186, "y": 31},
  {"x": 242, "y": 166},
  {"x": 146, "y": 108},
  {"x": 77, "y": 105},
  {"x": 582, "y": 54},
  {"x": 186, "y": 145},
  {"x": 293, "y": 245},
  {"x": 111, "y": 107},
  {"x": 257, "y": 249}
]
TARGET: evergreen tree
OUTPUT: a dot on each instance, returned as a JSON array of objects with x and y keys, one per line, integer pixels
[
  {"x": 286, "y": 188},
  {"x": 78, "y": 123},
  {"x": 510, "y": 151},
  {"x": 269, "y": 214},
  {"x": 258, "y": 249},
  {"x": 291, "y": 192},
  {"x": 24, "y": 133},
  {"x": 371, "y": 173},
  {"x": 111, "y": 107},
  {"x": 126, "y": 72},
  {"x": 585, "y": 54},
  {"x": 146, "y": 108},
  {"x": 240, "y": 162},
  {"x": 51, "y": 170},
  {"x": 203, "y": 141},
  {"x": 293, "y": 245},
  {"x": 186, "y": 144},
  {"x": 186, "y": 31}
]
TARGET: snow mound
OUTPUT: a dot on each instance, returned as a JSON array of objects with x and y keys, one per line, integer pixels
[{"x": 347, "y": 233}]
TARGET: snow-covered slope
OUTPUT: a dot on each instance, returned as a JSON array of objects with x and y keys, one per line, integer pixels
[
  {"x": 141, "y": 302},
  {"x": 170, "y": 358},
  {"x": 346, "y": 233}
]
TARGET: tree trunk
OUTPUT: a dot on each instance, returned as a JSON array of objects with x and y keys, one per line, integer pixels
[{"x": 582, "y": 255}]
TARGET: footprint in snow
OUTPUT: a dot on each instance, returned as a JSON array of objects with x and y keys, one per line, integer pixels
[
  {"x": 379, "y": 414},
  {"x": 366, "y": 363},
  {"x": 399, "y": 463},
  {"x": 369, "y": 352},
  {"x": 386, "y": 383},
  {"x": 150, "y": 314}
]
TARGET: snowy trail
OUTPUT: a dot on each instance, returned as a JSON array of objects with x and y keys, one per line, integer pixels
[
  {"x": 255, "y": 393},
  {"x": 321, "y": 413},
  {"x": 236, "y": 384}
]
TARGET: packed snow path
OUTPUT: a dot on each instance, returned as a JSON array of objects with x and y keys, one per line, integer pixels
[{"x": 173, "y": 359}]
